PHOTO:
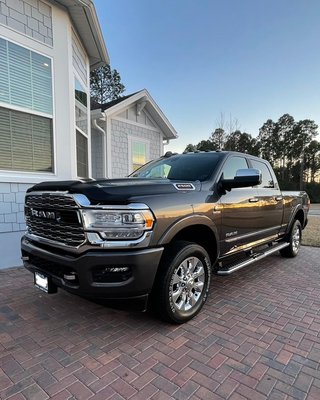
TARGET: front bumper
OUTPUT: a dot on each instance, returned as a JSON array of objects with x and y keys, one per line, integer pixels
[{"x": 88, "y": 270}]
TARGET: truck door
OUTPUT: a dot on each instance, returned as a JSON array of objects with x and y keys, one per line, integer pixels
[
  {"x": 239, "y": 211},
  {"x": 270, "y": 201}
]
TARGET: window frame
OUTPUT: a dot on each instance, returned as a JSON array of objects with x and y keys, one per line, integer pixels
[
  {"x": 27, "y": 176},
  {"x": 87, "y": 135}
]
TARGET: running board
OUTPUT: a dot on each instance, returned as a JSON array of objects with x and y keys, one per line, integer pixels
[{"x": 252, "y": 259}]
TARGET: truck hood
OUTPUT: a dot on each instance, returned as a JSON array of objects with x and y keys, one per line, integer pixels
[{"x": 118, "y": 191}]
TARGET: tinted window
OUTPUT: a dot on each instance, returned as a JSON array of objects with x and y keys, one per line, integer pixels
[
  {"x": 185, "y": 167},
  {"x": 267, "y": 181},
  {"x": 232, "y": 165}
]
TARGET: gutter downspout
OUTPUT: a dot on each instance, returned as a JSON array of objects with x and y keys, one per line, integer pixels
[{"x": 104, "y": 145}]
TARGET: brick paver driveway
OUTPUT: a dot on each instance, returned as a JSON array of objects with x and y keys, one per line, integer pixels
[{"x": 256, "y": 338}]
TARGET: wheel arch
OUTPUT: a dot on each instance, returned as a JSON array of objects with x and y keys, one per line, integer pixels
[
  {"x": 298, "y": 214},
  {"x": 196, "y": 229}
]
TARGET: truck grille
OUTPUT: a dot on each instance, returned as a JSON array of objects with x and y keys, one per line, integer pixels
[
  {"x": 54, "y": 217},
  {"x": 51, "y": 201}
]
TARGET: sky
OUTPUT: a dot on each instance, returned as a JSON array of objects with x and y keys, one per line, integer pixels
[{"x": 248, "y": 59}]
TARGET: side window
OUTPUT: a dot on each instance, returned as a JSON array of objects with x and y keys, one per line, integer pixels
[
  {"x": 232, "y": 165},
  {"x": 267, "y": 181}
]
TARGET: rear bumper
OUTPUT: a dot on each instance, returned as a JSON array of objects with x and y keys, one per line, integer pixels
[{"x": 88, "y": 270}]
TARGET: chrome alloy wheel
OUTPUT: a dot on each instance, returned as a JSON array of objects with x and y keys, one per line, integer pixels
[
  {"x": 187, "y": 284},
  {"x": 296, "y": 239}
]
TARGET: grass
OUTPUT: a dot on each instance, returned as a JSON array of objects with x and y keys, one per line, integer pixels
[{"x": 311, "y": 234}]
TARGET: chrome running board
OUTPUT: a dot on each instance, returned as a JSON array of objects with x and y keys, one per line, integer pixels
[{"x": 253, "y": 258}]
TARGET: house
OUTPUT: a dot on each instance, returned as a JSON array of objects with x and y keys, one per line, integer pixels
[
  {"x": 126, "y": 133},
  {"x": 47, "y": 49}
]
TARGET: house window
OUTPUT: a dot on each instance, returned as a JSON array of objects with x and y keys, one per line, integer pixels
[
  {"x": 25, "y": 142},
  {"x": 25, "y": 78},
  {"x": 26, "y": 134},
  {"x": 81, "y": 114},
  {"x": 139, "y": 154},
  {"x": 82, "y": 155}
]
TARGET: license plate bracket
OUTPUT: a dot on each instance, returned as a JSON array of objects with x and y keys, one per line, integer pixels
[{"x": 44, "y": 283}]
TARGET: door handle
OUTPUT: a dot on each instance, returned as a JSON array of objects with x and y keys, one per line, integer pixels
[
  {"x": 253, "y": 200},
  {"x": 278, "y": 198}
]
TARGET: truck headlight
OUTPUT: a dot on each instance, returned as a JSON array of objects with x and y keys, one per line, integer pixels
[{"x": 118, "y": 224}]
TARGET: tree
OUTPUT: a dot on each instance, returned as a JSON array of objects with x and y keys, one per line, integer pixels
[
  {"x": 267, "y": 138},
  {"x": 105, "y": 84},
  {"x": 205, "y": 145},
  {"x": 242, "y": 142},
  {"x": 312, "y": 158},
  {"x": 218, "y": 138},
  {"x": 190, "y": 147},
  {"x": 305, "y": 131}
]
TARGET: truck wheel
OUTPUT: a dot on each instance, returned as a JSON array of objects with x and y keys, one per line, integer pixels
[
  {"x": 294, "y": 239},
  {"x": 183, "y": 283}
]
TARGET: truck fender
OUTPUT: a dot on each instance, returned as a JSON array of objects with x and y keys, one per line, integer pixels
[
  {"x": 294, "y": 212},
  {"x": 187, "y": 222}
]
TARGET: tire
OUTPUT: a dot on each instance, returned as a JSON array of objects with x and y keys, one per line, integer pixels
[
  {"x": 294, "y": 240},
  {"x": 182, "y": 285}
]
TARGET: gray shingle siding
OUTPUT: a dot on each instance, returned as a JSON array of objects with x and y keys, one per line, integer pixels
[
  {"x": 11, "y": 206},
  {"x": 31, "y": 17},
  {"x": 120, "y": 133},
  {"x": 79, "y": 59}
]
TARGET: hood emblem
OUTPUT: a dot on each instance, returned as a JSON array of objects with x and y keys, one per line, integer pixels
[{"x": 184, "y": 186}]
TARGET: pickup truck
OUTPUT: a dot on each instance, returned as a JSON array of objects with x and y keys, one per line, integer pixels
[{"x": 162, "y": 232}]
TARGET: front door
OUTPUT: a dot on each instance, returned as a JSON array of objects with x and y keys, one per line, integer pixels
[{"x": 239, "y": 211}]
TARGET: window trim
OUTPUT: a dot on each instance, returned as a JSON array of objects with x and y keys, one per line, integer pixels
[
  {"x": 76, "y": 128},
  {"x": 33, "y": 176},
  {"x": 23, "y": 109},
  {"x": 131, "y": 140}
]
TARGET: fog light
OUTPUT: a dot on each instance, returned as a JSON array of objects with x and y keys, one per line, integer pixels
[{"x": 117, "y": 269}]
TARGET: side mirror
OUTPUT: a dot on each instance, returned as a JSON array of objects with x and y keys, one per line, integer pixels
[{"x": 244, "y": 178}]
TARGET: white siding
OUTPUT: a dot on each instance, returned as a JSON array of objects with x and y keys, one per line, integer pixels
[{"x": 67, "y": 56}]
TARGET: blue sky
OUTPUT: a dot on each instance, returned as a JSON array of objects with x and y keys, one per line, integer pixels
[{"x": 253, "y": 59}]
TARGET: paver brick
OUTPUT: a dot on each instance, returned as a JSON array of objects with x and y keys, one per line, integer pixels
[{"x": 257, "y": 338}]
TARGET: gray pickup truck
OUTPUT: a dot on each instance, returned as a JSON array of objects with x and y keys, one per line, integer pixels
[{"x": 160, "y": 233}]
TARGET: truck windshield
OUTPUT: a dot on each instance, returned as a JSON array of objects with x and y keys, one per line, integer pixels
[{"x": 183, "y": 167}]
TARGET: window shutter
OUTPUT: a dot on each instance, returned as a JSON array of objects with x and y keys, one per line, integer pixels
[
  {"x": 5, "y": 140},
  {"x": 21, "y": 138},
  {"x": 19, "y": 76},
  {"x": 42, "y": 144},
  {"x": 25, "y": 142},
  {"x": 41, "y": 83},
  {"x": 4, "y": 76},
  {"x": 25, "y": 78}
]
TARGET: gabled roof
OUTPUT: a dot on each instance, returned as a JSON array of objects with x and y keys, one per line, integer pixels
[
  {"x": 117, "y": 106},
  {"x": 105, "y": 106},
  {"x": 85, "y": 20}
]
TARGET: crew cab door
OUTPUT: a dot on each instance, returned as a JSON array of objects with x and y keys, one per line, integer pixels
[
  {"x": 239, "y": 211},
  {"x": 270, "y": 201}
]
